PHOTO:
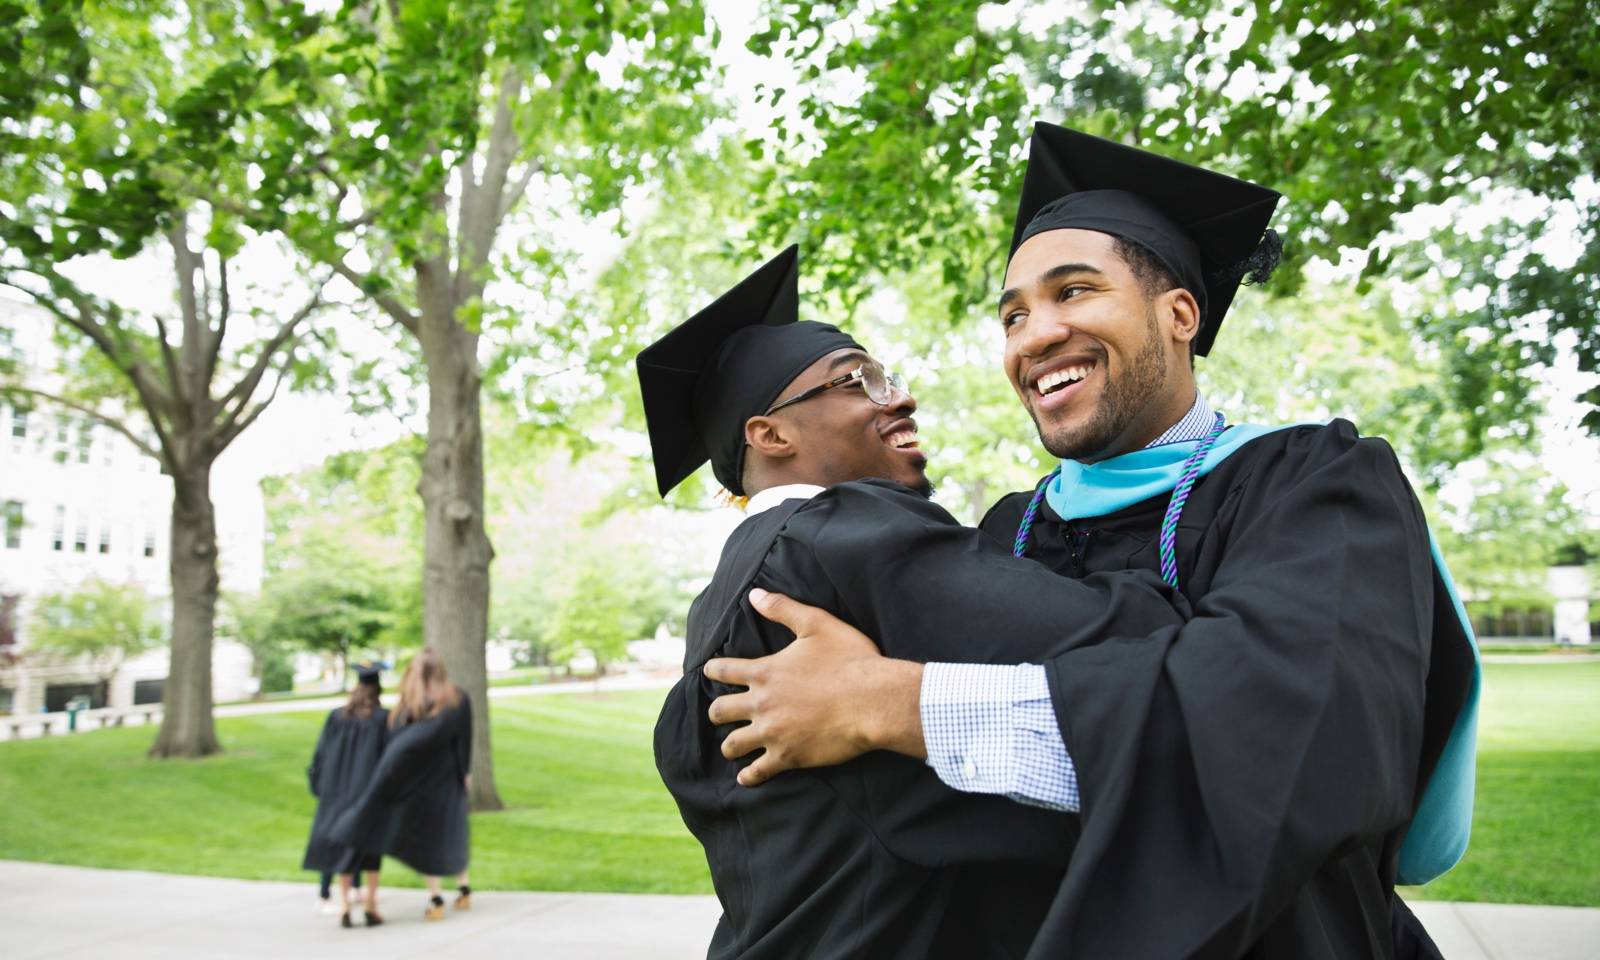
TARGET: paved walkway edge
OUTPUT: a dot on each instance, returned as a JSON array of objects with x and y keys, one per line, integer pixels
[{"x": 76, "y": 913}]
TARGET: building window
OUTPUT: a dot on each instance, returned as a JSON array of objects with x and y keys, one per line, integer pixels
[
  {"x": 149, "y": 542},
  {"x": 11, "y": 519},
  {"x": 86, "y": 432},
  {"x": 80, "y": 537},
  {"x": 63, "y": 439},
  {"x": 105, "y": 539},
  {"x": 19, "y": 422},
  {"x": 58, "y": 535}
]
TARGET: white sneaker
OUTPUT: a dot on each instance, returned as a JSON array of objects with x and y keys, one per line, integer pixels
[{"x": 328, "y": 907}]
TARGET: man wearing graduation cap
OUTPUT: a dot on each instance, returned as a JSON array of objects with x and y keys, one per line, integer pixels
[
  {"x": 1253, "y": 781},
  {"x": 874, "y": 857}
]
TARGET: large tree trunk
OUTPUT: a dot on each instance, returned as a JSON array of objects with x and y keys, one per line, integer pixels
[
  {"x": 456, "y": 549},
  {"x": 187, "y": 729}
]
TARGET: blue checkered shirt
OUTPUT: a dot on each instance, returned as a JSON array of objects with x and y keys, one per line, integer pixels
[{"x": 993, "y": 729}]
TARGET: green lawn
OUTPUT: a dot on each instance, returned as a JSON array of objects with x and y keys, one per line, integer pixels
[
  {"x": 585, "y": 808},
  {"x": 1536, "y": 824},
  {"x": 587, "y": 812}
]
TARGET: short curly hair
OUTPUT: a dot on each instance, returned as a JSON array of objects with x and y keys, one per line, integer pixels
[{"x": 1152, "y": 274}]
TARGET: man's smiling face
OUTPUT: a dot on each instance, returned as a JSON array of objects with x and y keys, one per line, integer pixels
[
  {"x": 1088, "y": 350},
  {"x": 843, "y": 435}
]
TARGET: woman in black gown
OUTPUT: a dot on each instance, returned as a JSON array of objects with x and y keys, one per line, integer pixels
[
  {"x": 415, "y": 808},
  {"x": 347, "y": 755}
]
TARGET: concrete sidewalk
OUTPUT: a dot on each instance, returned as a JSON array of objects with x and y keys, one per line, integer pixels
[
  {"x": 1510, "y": 931},
  {"x": 78, "y": 913},
  {"x": 74, "y": 913}
]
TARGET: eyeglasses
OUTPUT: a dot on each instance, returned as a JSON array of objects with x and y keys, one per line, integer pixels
[{"x": 878, "y": 384}]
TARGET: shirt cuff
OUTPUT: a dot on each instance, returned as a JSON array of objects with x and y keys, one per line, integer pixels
[{"x": 992, "y": 729}]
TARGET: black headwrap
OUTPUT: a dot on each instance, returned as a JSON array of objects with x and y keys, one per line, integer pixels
[
  {"x": 1209, "y": 230},
  {"x": 724, "y": 365}
]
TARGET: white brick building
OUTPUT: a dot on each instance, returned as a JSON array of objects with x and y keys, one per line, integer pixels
[{"x": 78, "y": 501}]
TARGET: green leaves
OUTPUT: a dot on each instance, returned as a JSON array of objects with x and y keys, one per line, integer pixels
[
  {"x": 1377, "y": 109},
  {"x": 42, "y": 55},
  {"x": 102, "y": 621}
]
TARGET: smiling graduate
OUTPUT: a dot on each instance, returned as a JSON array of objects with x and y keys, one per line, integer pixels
[
  {"x": 872, "y": 858},
  {"x": 1254, "y": 781}
]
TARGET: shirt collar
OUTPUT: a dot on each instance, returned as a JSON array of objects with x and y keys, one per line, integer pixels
[
  {"x": 1193, "y": 425},
  {"x": 772, "y": 496}
]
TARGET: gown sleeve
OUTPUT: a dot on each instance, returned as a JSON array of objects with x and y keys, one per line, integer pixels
[
  {"x": 1225, "y": 760},
  {"x": 463, "y": 740},
  {"x": 314, "y": 772},
  {"x": 926, "y": 588}
]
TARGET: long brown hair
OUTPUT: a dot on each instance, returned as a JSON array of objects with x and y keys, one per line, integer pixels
[
  {"x": 363, "y": 700},
  {"x": 425, "y": 690}
]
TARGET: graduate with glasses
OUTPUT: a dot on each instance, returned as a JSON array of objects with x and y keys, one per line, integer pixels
[{"x": 873, "y": 858}]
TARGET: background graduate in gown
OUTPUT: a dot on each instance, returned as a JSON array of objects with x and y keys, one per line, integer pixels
[
  {"x": 342, "y": 766},
  {"x": 1247, "y": 780},
  {"x": 875, "y": 858},
  {"x": 415, "y": 808}
]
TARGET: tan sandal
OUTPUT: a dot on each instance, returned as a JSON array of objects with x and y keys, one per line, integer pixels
[{"x": 435, "y": 909}]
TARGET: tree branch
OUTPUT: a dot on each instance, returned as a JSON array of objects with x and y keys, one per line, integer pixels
[
  {"x": 224, "y": 310},
  {"x": 239, "y": 395},
  {"x": 168, "y": 359},
  {"x": 185, "y": 392},
  {"x": 104, "y": 336},
  {"x": 83, "y": 320},
  {"x": 87, "y": 411},
  {"x": 387, "y": 302},
  {"x": 516, "y": 190},
  {"x": 481, "y": 205},
  {"x": 238, "y": 426}
]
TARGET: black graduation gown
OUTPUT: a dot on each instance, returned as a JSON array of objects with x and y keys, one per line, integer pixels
[
  {"x": 1247, "y": 778},
  {"x": 876, "y": 858},
  {"x": 341, "y": 767},
  {"x": 415, "y": 808}
]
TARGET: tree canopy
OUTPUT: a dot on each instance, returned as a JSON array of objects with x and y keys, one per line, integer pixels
[
  {"x": 110, "y": 148},
  {"x": 911, "y": 120},
  {"x": 103, "y": 623}
]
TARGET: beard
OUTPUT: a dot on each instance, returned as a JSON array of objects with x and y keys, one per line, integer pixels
[{"x": 1124, "y": 399}]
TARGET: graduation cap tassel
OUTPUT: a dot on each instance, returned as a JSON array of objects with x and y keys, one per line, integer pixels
[{"x": 1258, "y": 267}]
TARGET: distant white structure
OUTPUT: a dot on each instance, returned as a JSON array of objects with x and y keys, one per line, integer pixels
[
  {"x": 1572, "y": 587},
  {"x": 660, "y": 652},
  {"x": 78, "y": 501}
]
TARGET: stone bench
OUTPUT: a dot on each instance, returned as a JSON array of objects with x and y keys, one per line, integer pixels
[{"x": 50, "y": 724}]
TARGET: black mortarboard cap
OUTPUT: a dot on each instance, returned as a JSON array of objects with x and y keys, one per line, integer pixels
[
  {"x": 1210, "y": 230},
  {"x": 368, "y": 670},
  {"x": 724, "y": 365}
]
